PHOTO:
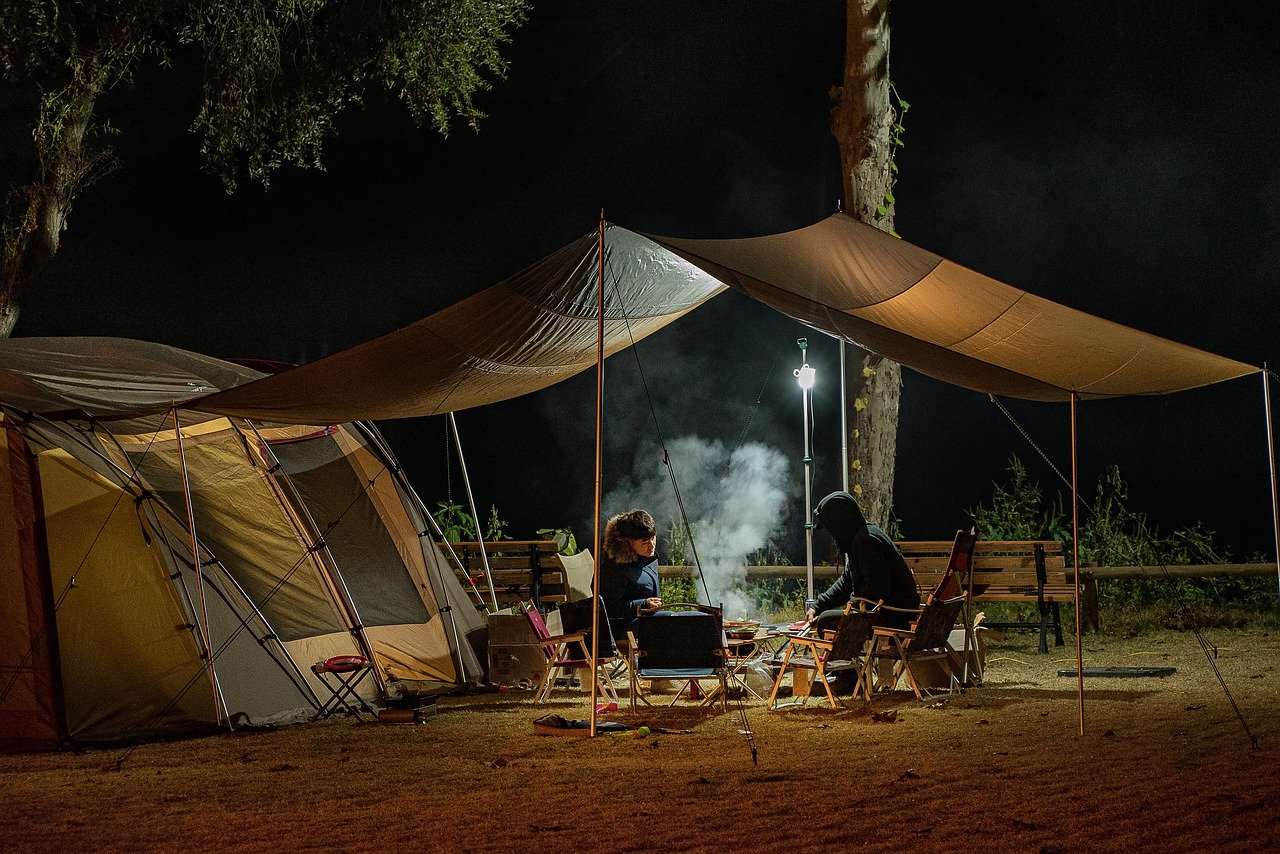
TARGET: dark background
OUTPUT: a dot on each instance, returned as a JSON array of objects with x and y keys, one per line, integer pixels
[{"x": 1117, "y": 158}]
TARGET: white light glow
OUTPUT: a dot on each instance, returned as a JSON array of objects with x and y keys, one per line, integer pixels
[{"x": 805, "y": 375}]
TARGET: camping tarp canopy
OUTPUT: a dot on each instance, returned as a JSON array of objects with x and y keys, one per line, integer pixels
[
  {"x": 531, "y": 331},
  {"x": 838, "y": 276}
]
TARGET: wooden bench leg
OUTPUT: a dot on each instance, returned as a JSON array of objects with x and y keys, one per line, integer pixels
[{"x": 1057, "y": 624}]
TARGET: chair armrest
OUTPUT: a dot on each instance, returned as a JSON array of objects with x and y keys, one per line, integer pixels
[
  {"x": 886, "y": 632},
  {"x": 812, "y": 642},
  {"x": 570, "y": 638}
]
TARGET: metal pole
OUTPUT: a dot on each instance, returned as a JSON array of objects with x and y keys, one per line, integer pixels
[
  {"x": 808, "y": 473},
  {"x": 1271, "y": 457},
  {"x": 430, "y": 557},
  {"x": 595, "y": 572},
  {"x": 195, "y": 559},
  {"x": 844, "y": 423},
  {"x": 1075, "y": 559},
  {"x": 471, "y": 502}
]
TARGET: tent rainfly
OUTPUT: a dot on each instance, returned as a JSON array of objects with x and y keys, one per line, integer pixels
[{"x": 310, "y": 545}]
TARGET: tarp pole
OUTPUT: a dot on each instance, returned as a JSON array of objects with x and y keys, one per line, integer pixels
[
  {"x": 595, "y": 571},
  {"x": 195, "y": 559},
  {"x": 844, "y": 423},
  {"x": 1075, "y": 558},
  {"x": 1271, "y": 458},
  {"x": 471, "y": 502}
]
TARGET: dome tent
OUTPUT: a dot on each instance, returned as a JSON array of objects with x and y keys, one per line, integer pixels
[{"x": 311, "y": 545}]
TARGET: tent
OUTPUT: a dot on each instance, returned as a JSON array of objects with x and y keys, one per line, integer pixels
[{"x": 310, "y": 542}]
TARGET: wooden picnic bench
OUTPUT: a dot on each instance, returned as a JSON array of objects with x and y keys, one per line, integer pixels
[
  {"x": 1025, "y": 571},
  {"x": 522, "y": 570}
]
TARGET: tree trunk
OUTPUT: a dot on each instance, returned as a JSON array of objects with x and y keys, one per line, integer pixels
[
  {"x": 36, "y": 213},
  {"x": 862, "y": 119}
]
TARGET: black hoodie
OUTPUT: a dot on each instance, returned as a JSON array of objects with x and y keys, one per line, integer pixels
[{"x": 874, "y": 568}]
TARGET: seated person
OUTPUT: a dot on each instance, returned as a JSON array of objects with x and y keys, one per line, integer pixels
[
  {"x": 874, "y": 568},
  {"x": 629, "y": 574}
]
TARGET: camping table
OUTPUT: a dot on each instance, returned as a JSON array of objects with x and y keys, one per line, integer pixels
[
  {"x": 764, "y": 645},
  {"x": 777, "y": 642},
  {"x": 342, "y": 674}
]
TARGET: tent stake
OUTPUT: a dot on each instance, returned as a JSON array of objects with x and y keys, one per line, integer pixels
[
  {"x": 1075, "y": 559},
  {"x": 595, "y": 572},
  {"x": 1271, "y": 458},
  {"x": 195, "y": 559},
  {"x": 471, "y": 502}
]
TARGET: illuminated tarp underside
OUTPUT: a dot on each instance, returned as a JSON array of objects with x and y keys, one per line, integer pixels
[{"x": 838, "y": 276}]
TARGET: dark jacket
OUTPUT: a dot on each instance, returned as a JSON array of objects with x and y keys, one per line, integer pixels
[
  {"x": 626, "y": 581},
  {"x": 874, "y": 568}
]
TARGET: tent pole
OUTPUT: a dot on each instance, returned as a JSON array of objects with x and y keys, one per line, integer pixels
[
  {"x": 282, "y": 485},
  {"x": 844, "y": 423},
  {"x": 375, "y": 439},
  {"x": 218, "y": 702},
  {"x": 471, "y": 502},
  {"x": 595, "y": 578},
  {"x": 1075, "y": 558},
  {"x": 1271, "y": 458}
]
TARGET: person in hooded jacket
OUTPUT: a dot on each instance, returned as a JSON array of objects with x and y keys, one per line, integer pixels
[
  {"x": 874, "y": 568},
  {"x": 629, "y": 573}
]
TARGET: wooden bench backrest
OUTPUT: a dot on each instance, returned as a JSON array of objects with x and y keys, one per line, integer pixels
[
  {"x": 512, "y": 564},
  {"x": 997, "y": 564}
]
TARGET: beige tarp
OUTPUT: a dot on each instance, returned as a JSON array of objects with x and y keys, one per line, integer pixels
[
  {"x": 900, "y": 301},
  {"x": 838, "y": 276},
  {"x": 531, "y": 331}
]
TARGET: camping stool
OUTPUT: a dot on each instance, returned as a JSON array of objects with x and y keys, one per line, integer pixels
[{"x": 341, "y": 674}]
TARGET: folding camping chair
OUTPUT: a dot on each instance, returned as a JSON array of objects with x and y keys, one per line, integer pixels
[
  {"x": 684, "y": 646},
  {"x": 926, "y": 640},
  {"x": 579, "y": 570},
  {"x": 832, "y": 652},
  {"x": 957, "y": 579},
  {"x": 562, "y": 650},
  {"x": 341, "y": 675}
]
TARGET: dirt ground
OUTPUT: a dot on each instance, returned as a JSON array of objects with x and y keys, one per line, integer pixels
[{"x": 1164, "y": 764}]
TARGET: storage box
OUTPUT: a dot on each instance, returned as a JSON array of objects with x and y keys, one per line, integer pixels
[
  {"x": 511, "y": 664},
  {"x": 510, "y": 629}
]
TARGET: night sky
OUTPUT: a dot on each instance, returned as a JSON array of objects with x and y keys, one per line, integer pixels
[{"x": 1117, "y": 158}]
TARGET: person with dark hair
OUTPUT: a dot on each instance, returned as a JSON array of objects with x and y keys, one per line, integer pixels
[
  {"x": 874, "y": 568},
  {"x": 629, "y": 573}
]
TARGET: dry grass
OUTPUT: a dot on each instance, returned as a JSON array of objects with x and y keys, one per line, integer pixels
[{"x": 1164, "y": 765}]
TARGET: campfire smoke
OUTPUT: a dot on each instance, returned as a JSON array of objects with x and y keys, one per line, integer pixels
[{"x": 734, "y": 500}]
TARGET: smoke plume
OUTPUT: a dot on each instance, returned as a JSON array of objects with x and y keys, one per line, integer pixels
[{"x": 734, "y": 502}]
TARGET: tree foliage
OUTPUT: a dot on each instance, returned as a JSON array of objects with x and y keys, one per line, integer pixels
[{"x": 273, "y": 75}]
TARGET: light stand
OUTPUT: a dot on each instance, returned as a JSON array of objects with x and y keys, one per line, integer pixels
[{"x": 805, "y": 376}]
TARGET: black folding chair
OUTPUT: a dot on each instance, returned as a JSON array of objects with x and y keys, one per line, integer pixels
[{"x": 683, "y": 646}]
